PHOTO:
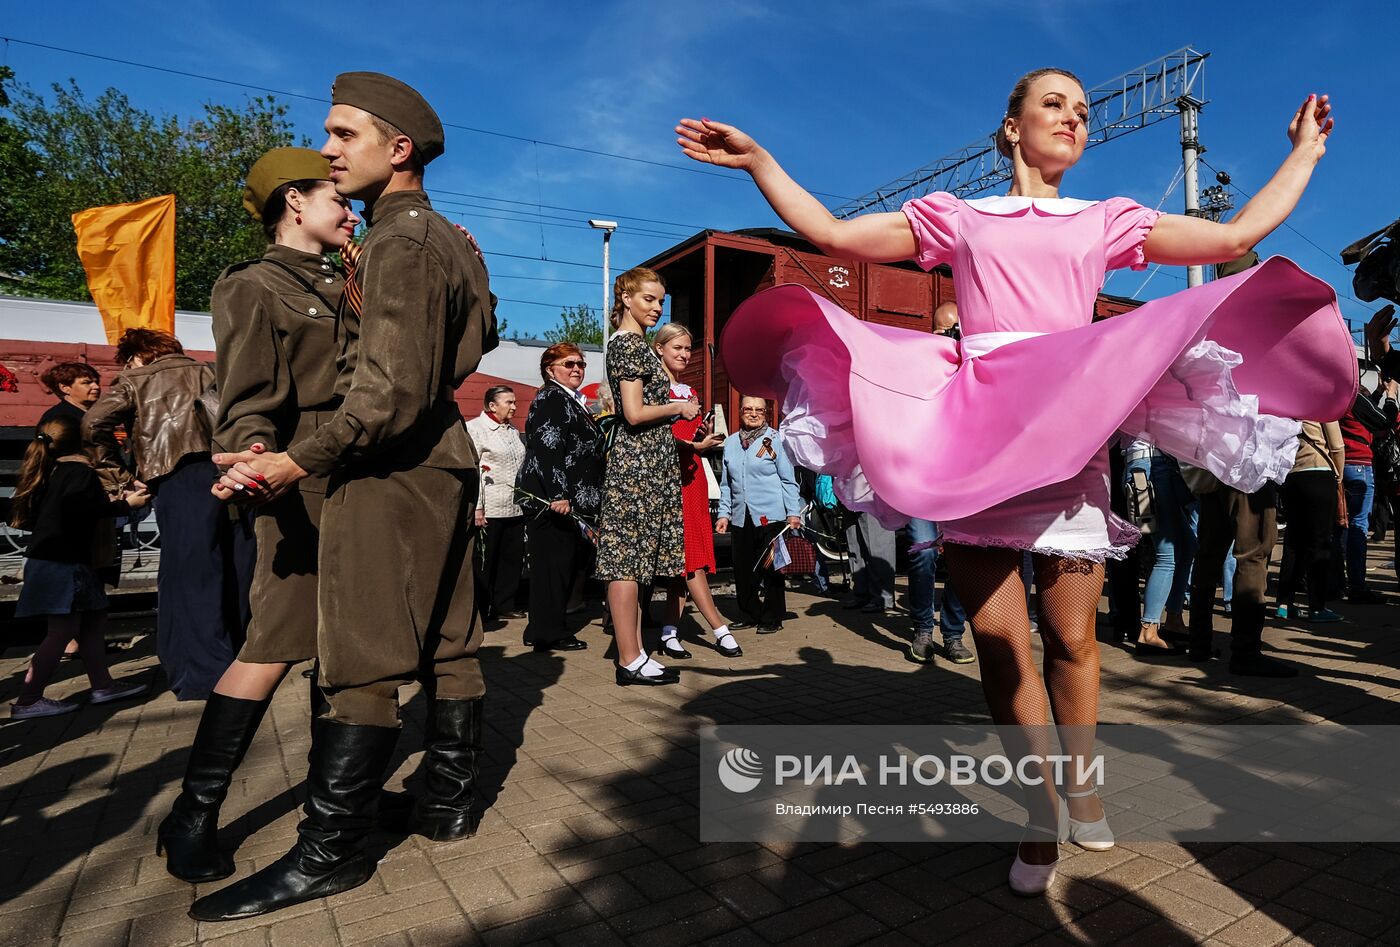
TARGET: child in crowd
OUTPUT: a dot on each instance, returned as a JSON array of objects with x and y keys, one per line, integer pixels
[{"x": 60, "y": 501}]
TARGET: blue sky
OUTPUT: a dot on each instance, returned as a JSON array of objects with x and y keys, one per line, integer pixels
[{"x": 847, "y": 96}]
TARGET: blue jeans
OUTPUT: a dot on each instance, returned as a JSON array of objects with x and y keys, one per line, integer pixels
[
  {"x": 1360, "y": 485},
  {"x": 1172, "y": 539},
  {"x": 922, "y": 566}
]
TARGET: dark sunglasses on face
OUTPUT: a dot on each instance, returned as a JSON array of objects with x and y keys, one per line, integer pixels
[{"x": 573, "y": 363}]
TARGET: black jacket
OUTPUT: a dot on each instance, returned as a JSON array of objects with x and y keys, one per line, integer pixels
[
  {"x": 563, "y": 453},
  {"x": 64, "y": 527}
]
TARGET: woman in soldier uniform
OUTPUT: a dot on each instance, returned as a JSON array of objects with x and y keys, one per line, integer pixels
[{"x": 274, "y": 329}]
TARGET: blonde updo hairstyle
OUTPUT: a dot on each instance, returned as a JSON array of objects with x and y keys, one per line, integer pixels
[
  {"x": 629, "y": 283},
  {"x": 1016, "y": 103}
]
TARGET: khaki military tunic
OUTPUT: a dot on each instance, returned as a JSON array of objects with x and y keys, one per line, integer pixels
[
  {"x": 396, "y": 601},
  {"x": 275, "y": 334}
]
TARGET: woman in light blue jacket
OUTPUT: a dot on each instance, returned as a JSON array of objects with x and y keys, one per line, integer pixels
[{"x": 757, "y": 498}]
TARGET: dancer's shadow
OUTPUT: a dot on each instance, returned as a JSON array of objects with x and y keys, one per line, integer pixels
[
  {"x": 21, "y": 739},
  {"x": 44, "y": 834}
]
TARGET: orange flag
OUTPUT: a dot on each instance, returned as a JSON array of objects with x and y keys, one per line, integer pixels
[{"x": 128, "y": 251}]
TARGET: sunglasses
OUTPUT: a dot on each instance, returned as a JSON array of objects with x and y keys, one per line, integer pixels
[{"x": 573, "y": 363}]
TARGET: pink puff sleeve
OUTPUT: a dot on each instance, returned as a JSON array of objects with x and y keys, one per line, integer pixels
[
  {"x": 934, "y": 222},
  {"x": 1126, "y": 225}
]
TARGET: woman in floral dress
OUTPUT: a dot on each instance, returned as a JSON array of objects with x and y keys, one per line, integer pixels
[{"x": 640, "y": 532}]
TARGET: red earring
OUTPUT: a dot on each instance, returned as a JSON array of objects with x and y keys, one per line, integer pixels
[{"x": 298, "y": 218}]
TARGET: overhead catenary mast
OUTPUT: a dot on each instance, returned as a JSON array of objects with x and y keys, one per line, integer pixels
[{"x": 1171, "y": 85}]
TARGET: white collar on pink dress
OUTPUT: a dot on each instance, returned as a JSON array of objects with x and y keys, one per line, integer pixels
[{"x": 1005, "y": 205}]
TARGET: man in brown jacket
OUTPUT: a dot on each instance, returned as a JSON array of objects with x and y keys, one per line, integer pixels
[
  {"x": 396, "y": 597},
  {"x": 206, "y": 560}
]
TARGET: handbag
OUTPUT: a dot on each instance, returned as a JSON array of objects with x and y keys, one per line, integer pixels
[{"x": 1142, "y": 501}]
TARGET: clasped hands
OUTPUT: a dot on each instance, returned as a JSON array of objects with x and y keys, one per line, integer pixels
[{"x": 255, "y": 475}]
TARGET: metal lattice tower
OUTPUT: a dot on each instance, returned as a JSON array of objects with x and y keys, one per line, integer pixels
[{"x": 1138, "y": 98}]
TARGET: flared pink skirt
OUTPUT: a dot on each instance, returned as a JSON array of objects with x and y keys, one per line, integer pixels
[{"x": 1004, "y": 444}]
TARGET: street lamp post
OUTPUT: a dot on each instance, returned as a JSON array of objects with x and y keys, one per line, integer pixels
[{"x": 607, "y": 226}]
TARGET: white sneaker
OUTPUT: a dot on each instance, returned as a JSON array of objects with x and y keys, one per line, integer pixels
[
  {"x": 118, "y": 691},
  {"x": 43, "y": 707}
]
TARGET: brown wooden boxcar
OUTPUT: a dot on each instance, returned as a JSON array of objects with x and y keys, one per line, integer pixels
[{"x": 710, "y": 274}]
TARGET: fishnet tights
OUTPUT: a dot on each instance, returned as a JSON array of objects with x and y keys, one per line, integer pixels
[{"x": 988, "y": 581}]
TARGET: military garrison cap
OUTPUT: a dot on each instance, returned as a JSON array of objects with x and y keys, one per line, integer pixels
[
  {"x": 276, "y": 168},
  {"x": 1237, "y": 265},
  {"x": 395, "y": 102}
]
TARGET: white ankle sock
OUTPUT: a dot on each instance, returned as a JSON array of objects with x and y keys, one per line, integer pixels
[
  {"x": 720, "y": 632},
  {"x": 653, "y": 668},
  {"x": 634, "y": 665}
]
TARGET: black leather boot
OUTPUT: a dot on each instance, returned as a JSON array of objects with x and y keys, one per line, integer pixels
[
  {"x": 189, "y": 835},
  {"x": 346, "y": 773},
  {"x": 450, "y": 761}
]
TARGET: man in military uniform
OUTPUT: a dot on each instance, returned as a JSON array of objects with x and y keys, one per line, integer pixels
[{"x": 396, "y": 601}]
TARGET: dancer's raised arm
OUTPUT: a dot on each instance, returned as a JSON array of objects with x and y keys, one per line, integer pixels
[
  {"x": 1178, "y": 240},
  {"x": 873, "y": 238}
]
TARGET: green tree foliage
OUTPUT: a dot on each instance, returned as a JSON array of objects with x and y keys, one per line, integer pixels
[
  {"x": 19, "y": 168},
  {"x": 75, "y": 153},
  {"x": 578, "y": 324}
]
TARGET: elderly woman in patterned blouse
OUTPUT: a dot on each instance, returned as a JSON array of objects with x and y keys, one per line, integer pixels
[
  {"x": 500, "y": 451},
  {"x": 560, "y": 487}
]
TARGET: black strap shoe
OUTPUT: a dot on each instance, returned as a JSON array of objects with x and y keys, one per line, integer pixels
[
  {"x": 450, "y": 763},
  {"x": 734, "y": 652},
  {"x": 625, "y": 677},
  {"x": 768, "y": 629},
  {"x": 672, "y": 648},
  {"x": 571, "y": 643},
  {"x": 189, "y": 835},
  {"x": 347, "y": 771}
]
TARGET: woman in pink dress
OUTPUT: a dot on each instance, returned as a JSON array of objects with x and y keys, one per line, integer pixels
[{"x": 1001, "y": 438}]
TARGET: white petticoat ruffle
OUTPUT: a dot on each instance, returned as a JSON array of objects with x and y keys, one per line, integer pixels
[
  {"x": 1194, "y": 412},
  {"x": 1197, "y": 415}
]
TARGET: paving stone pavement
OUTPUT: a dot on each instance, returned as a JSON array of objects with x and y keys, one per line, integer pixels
[{"x": 590, "y": 837}]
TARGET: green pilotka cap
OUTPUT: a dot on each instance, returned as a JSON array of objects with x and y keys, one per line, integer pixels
[
  {"x": 395, "y": 102},
  {"x": 1237, "y": 265},
  {"x": 276, "y": 168}
]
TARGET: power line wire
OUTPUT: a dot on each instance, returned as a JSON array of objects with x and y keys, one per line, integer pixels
[
  {"x": 532, "y": 217},
  {"x": 529, "y": 220},
  {"x": 575, "y": 210},
  {"x": 531, "y": 302},
  {"x": 314, "y": 98},
  {"x": 544, "y": 279},
  {"x": 1304, "y": 237},
  {"x": 532, "y": 259}
]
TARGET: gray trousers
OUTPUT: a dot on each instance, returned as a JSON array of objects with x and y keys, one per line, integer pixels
[{"x": 872, "y": 560}]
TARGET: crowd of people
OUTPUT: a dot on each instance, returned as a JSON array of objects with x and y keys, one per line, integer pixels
[{"x": 357, "y": 520}]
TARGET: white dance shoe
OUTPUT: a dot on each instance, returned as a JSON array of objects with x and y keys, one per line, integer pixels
[
  {"x": 1093, "y": 836},
  {"x": 1029, "y": 880}
]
